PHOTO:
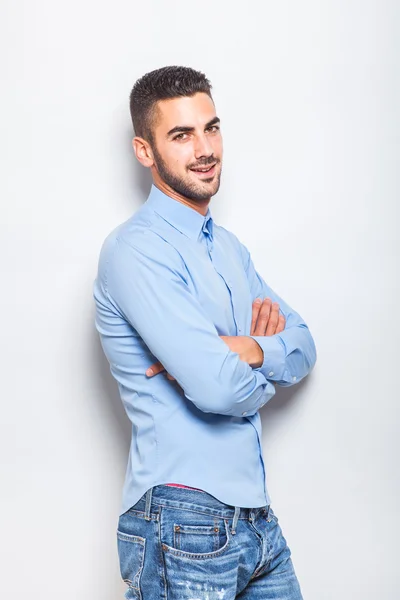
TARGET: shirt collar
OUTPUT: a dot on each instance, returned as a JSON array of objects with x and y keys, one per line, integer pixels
[{"x": 187, "y": 220}]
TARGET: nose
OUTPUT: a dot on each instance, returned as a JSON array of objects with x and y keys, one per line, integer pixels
[{"x": 202, "y": 146}]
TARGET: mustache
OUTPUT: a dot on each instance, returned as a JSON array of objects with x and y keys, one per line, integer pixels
[{"x": 210, "y": 160}]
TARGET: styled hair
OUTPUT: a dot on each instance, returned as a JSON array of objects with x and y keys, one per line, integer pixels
[{"x": 161, "y": 84}]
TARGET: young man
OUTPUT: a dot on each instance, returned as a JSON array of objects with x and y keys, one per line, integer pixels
[{"x": 197, "y": 342}]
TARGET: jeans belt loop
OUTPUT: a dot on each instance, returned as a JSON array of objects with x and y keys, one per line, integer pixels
[
  {"x": 235, "y": 519},
  {"x": 147, "y": 509}
]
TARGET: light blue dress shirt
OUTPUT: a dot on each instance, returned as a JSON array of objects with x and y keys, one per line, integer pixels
[{"x": 170, "y": 282}]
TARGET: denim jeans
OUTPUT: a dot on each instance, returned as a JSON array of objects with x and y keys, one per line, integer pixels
[{"x": 182, "y": 544}]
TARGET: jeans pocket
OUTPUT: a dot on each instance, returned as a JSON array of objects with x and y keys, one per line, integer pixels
[
  {"x": 194, "y": 567},
  {"x": 198, "y": 538},
  {"x": 193, "y": 535},
  {"x": 131, "y": 550}
]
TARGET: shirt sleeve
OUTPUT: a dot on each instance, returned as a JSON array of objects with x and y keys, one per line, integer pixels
[
  {"x": 291, "y": 354},
  {"x": 147, "y": 284}
]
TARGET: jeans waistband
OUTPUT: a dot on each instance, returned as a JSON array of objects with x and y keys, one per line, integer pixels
[{"x": 163, "y": 495}]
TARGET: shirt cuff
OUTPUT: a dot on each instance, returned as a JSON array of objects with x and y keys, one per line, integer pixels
[{"x": 274, "y": 365}]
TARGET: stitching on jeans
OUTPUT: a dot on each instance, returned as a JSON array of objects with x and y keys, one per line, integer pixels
[
  {"x": 141, "y": 514},
  {"x": 206, "y": 555},
  {"x": 259, "y": 551},
  {"x": 138, "y": 575},
  {"x": 202, "y": 512},
  {"x": 261, "y": 569},
  {"x": 130, "y": 585},
  {"x": 128, "y": 537},
  {"x": 162, "y": 563}
]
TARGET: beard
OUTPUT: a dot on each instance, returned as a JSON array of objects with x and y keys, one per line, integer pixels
[{"x": 183, "y": 186}]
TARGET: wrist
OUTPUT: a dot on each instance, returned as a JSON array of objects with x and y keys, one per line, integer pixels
[{"x": 257, "y": 354}]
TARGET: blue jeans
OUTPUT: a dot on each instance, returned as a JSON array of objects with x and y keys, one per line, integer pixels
[{"x": 181, "y": 544}]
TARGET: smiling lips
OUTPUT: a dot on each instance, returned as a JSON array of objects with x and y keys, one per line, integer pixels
[{"x": 210, "y": 171}]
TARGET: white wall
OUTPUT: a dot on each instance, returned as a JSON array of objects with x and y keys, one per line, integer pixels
[{"x": 308, "y": 93}]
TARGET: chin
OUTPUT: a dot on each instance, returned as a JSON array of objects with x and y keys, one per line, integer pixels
[{"x": 210, "y": 187}]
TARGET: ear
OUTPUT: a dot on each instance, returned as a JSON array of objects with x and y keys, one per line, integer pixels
[{"x": 143, "y": 151}]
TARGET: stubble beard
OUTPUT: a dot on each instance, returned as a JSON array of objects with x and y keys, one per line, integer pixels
[{"x": 182, "y": 186}]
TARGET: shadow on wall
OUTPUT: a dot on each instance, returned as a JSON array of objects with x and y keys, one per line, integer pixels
[
  {"x": 139, "y": 177},
  {"x": 287, "y": 400},
  {"x": 284, "y": 395}
]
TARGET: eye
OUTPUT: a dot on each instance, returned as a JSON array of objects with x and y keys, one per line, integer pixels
[
  {"x": 180, "y": 137},
  {"x": 213, "y": 129}
]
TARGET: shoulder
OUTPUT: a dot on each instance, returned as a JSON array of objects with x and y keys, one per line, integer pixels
[
  {"x": 140, "y": 234},
  {"x": 138, "y": 248}
]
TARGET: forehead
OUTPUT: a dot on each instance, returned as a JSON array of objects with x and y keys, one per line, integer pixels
[{"x": 190, "y": 111}]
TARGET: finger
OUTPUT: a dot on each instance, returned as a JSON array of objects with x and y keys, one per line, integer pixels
[
  {"x": 155, "y": 369},
  {"x": 273, "y": 319},
  {"x": 281, "y": 324},
  {"x": 263, "y": 317},
  {"x": 254, "y": 314},
  {"x": 170, "y": 377}
]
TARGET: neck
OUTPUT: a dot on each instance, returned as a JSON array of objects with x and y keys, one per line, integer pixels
[{"x": 200, "y": 207}]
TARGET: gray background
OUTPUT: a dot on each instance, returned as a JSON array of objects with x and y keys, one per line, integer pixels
[{"x": 308, "y": 94}]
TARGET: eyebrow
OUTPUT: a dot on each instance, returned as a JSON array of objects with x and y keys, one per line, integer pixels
[{"x": 186, "y": 129}]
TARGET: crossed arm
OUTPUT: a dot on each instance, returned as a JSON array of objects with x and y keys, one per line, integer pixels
[
  {"x": 146, "y": 285},
  {"x": 266, "y": 320}
]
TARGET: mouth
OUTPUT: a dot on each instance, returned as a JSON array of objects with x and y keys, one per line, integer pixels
[{"x": 205, "y": 172}]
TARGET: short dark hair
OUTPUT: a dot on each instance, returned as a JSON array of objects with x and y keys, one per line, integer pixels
[{"x": 161, "y": 84}]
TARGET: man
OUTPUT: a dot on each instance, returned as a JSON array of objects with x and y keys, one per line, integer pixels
[{"x": 197, "y": 342}]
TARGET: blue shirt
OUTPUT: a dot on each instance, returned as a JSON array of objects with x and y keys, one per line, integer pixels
[{"x": 170, "y": 282}]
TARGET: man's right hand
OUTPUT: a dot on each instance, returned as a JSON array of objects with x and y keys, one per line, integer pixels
[{"x": 265, "y": 320}]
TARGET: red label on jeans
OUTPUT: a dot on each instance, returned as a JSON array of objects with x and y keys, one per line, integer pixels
[{"x": 183, "y": 486}]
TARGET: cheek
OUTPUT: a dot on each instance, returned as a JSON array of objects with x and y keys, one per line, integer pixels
[
  {"x": 182, "y": 156},
  {"x": 217, "y": 147}
]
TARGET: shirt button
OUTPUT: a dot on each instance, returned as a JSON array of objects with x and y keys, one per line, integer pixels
[
  {"x": 270, "y": 374},
  {"x": 244, "y": 413},
  {"x": 294, "y": 378}
]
